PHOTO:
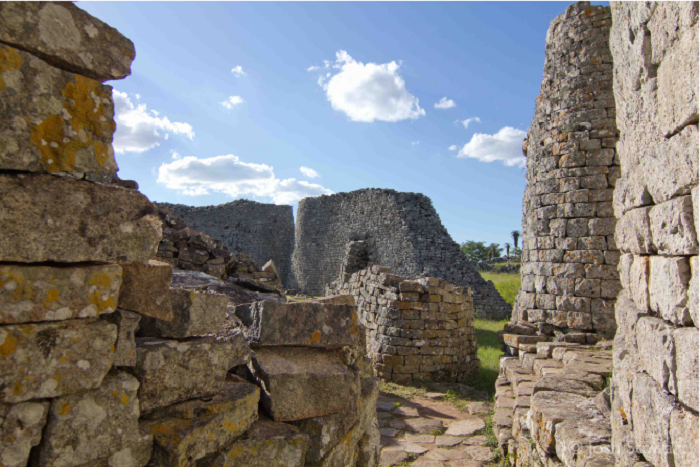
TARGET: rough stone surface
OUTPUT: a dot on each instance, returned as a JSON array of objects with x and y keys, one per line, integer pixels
[
  {"x": 100, "y": 223},
  {"x": 326, "y": 431},
  {"x": 195, "y": 313},
  {"x": 47, "y": 293},
  {"x": 125, "y": 347},
  {"x": 146, "y": 289},
  {"x": 21, "y": 426}
]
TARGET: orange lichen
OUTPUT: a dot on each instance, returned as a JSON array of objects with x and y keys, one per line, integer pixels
[
  {"x": 124, "y": 399},
  {"x": 10, "y": 59},
  {"x": 65, "y": 408},
  {"x": 51, "y": 296},
  {"x": 9, "y": 346}
]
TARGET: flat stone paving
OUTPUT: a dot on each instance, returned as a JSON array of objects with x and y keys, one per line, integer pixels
[{"x": 427, "y": 431}]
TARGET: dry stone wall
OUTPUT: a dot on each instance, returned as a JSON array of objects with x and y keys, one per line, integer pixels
[
  {"x": 398, "y": 230},
  {"x": 569, "y": 260},
  {"x": 264, "y": 231},
  {"x": 655, "y": 378},
  {"x": 421, "y": 329}
]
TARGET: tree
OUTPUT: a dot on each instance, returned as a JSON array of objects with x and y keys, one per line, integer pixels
[
  {"x": 516, "y": 235},
  {"x": 494, "y": 250},
  {"x": 475, "y": 251},
  {"x": 507, "y": 245}
]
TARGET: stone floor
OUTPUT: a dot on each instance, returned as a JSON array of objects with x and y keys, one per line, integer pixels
[{"x": 429, "y": 431}]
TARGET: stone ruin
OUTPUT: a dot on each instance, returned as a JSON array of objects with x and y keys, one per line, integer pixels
[
  {"x": 562, "y": 398},
  {"x": 336, "y": 234},
  {"x": 416, "y": 330},
  {"x": 110, "y": 358}
]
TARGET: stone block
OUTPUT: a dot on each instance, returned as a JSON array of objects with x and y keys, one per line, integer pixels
[
  {"x": 185, "y": 433},
  {"x": 68, "y": 37},
  {"x": 48, "y": 293},
  {"x": 52, "y": 120},
  {"x": 21, "y": 427},
  {"x": 685, "y": 371},
  {"x": 54, "y": 359},
  {"x": 302, "y": 383},
  {"x": 558, "y": 383},
  {"x": 146, "y": 289},
  {"x": 693, "y": 286},
  {"x": 578, "y": 443},
  {"x": 326, "y": 431},
  {"x": 639, "y": 278},
  {"x": 174, "y": 371},
  {"x": 195, "y": 313},
  {"x": 674, "y": 165},
  {"x": 101, "y": 223},
  {"x": 655, "y": 337},
  {"x": 651, "y": 414},
  {"x": 92, "y": 425},
  {"x": 308, "y": 324},
  {"x": 673, "y": 228},
  {"x": 267, "y": 444},
  {"x": 668, "y": 288},
  {"x": 684, "y": 433},
  {"x": 633, "y": 232},
  {"x": 125, "y": 347}
]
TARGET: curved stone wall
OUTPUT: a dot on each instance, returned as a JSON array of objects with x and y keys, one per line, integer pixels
[
  {"x": 264, "y": 231},
  {"x": 400, "y": 230},
  {"x": 569, "y": 270}
]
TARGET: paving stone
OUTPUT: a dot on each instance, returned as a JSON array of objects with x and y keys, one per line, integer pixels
[
  {"x": 434, "y": 395},
  {"x": 404, "y": 411},
  {"x": 47, "y": 293},
  {"x": 20, "y": 430},
  {"x": 125, "y": 348},
  {"x": 386, "y": 406},
  {"x": 398, "y": 424},
  {"x": 465, "y": 427},
  {"x": 389, "y": 458},
  {"x": 53, "y": 359},
  {"x": 427, "y": 463},
  {"x": 425, "y": 439},
  {"x": 101, "y": 223},
  {"x": 448, "y": 441},
  {"x": 302, "y": 383},
  {"x": 195, "y": 313},
  {"x": 479, "y": 408},
  {"x": 479, "y": 453},
  {"x": 388, "y": 432},
  {"x": 423, "y": 425},
  {"x": 478, "y": 440},
  {"x": 146, "y": 289},
  {"x": 446, "y": 455}
]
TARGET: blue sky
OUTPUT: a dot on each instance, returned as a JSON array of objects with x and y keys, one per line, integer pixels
[{"x": 231, "y": 100}]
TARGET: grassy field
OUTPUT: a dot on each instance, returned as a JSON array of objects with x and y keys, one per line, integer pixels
[{"x": 506, "y": 284}]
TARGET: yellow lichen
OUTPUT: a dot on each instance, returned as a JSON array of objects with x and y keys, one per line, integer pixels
[
  {"x": 124, "y": 399},
  {"x": 65, "y": 408},
  {"x": 9, "y": 346},
  {"x": 10, "y": 59},
  {"x": 51, "y": 296}
]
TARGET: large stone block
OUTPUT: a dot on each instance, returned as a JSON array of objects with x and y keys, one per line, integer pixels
[
  {"x": 50, "y": 218},
  {"x": 651, "y": 415},
  {"x": 693, "y": 286},
  {"x": 656, "y": 356},
  {"x": 53, "y": 359},
  {"x": 268, "y": 444},
  {"x": 125, "y": 348},
  {"x": 684, "y": 433},
  {"x": 309, "y": 324},
  {"x": 668, "y": 288},
  {"x": 194, "y": 314},
  {"x": 174, "y": 371},
  {"x": 633, "y": 232},
  {"x": 639, "y": 282},
  {"x": 686, "y": 366},
  {"x": 326, "y": 431},
  {"x": 92, "y": 425},
  {"x": 48, "y": 293},
  {"x": 67, "y": 37},
  {"x": 302, "y": 383},
  {"x": 673, "y": 168},
  {"x": 190, "y": 431},
  {"x": 578, "y": 442},
  {"x": 21, "y": 426},
  {"x": 673, "y": 228},
  {"x": 146, "y": 289}
]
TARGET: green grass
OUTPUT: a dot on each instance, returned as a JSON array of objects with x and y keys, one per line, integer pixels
[
  {"x": 506, "y": 284},
  {"x": 488, "y": 352}
]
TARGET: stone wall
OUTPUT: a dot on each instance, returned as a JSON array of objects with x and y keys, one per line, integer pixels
[
  {"x": 569, "y": 259},
  {"x": 400, "y": 230},
  {"x": 421, "y": 329},
  {"x": 264, "y": 231},
  {"x": 655, "y": 378}
]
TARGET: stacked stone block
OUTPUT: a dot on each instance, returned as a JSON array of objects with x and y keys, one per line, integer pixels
[
  {"x": 569, "y": 260},
  {"x": 421, "y": 329},
  {"x": 399, "y": 230},
  {"x": 655, "y": 379}
]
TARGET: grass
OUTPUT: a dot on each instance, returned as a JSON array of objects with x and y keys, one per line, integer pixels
[
  {"x": 506, "y": 284},
  {"x": 488, "y": 352}
]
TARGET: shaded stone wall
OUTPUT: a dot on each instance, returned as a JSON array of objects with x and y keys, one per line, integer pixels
[
  {"x": 421, "y": 329},
  {"x": 400, "y": 230},
  {"x": 264, "y": 231},
  {"x": 655, "y": 377},
  {"x": 569, "y": 269}
]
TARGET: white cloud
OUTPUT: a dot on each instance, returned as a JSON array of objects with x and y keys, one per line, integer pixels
[
  {"x": 176, "y": 155},
  {"x": 232, "y": 101},
  {"x": 238, "y": 71},
  {"x": 445, "y": 103},
  {"x": 228, "y": 174},
  {"x": 469, "y": 120},
  {"x": 313, "y": 68},
  {"x": 140, "y": 129},
  {"x": 505, "y": 146},
  {"x": 369, "y": 92},
  {"x": 415, "y": 143},
  {"x": 309, "y": 173},
  {"x": 453, "y": 147}
]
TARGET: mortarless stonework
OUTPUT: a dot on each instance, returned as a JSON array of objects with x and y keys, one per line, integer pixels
[
  {"x": 655, "y": 375},
  {"x": 264, "y": 231},
  {"x": 401, "y": 231},
  {"x": 569, "y": 270}
]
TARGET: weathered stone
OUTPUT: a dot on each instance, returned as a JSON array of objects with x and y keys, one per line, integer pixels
[
  {"x": 302, "y": 383},
  {"x": 309, "y": 324},
  {"x": 267, "y": 444},
  {"x": 446, "y": 455},
  {"x": 48, "y": 293},
  {"x": 673, "y": 228},
  {"x": 125, "y": 348},
  {"x": 448, "y": 441},
  {"x": 693, "y": 295},
  {"x": 52, "y": 359},
  {"x": 100, "y": 223},
  {"x": 577, "y": 442},
  {"x": 68, "y": 38},
  {"x": 326, "y": 431},
  {"x": 195, "y": 313},
  {"x": 146, "y": 289},
  {"x": 392, "y": 457},
  {"x": 657, "y": 359},
  {"x": 134, "y": 454},
  {"x": 479, "y": 453},
  {"x": 21, "y": 426},
  {"x": 668, "y": 288},
  {"x": 92, "y": 425},
  {"x": 66, "y": 122},
  {"x": 559, "y": 384},
  {"x": 685, "y": 372},
  {"x": 651, "y": 415},
  {"x": 465, "y": 427},
  {"x": 633, "y": 232},
  {"x": 189, "y": 431},
  {"x": 369, "y": 448},
  {"x": 684, "y": 433},
  {"x": 172, "y": 371},
  {"x": 423, "y": 426}
]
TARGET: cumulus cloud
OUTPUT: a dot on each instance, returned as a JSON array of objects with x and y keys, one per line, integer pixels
[
  {"x": 232, "y": 101},
  {"x": 445, "y": 103},
  {"x": 469, "y": 120},
  {"x": 140, "y": 129},
  {"x": 453, "y": 147},
  {"x": 366, "y": 92},
  {"x": 237, "y": 71},
  {"x": 505, "y": 146},
  {"x": 228, "y": 174},
  {"x": 309, "y": 173}
]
